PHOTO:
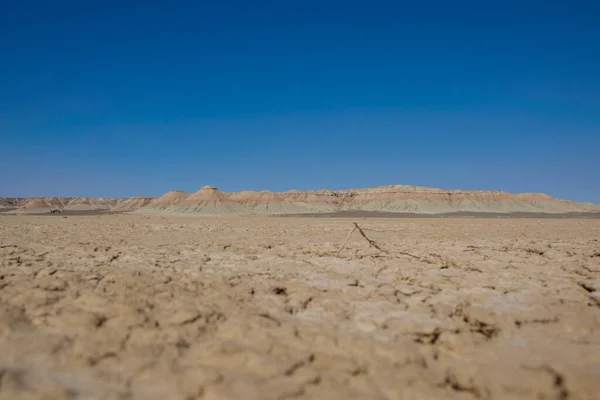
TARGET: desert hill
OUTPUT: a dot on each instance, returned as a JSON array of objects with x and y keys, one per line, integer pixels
[
  {"x": 132, "y": 204},
  {"x": 395, "y": 198},
  {"x": 266, "y": 202},
  {"x": 90, "y": 203},
  {"x": 166, "y": 201},
  {"x": 35, "y": 206},
  {"x": 170, "y": 198},
  {"x": 39, "y": 205},
  {"x": 8, "y": 202},
  {"x": 210, "y": 201}
]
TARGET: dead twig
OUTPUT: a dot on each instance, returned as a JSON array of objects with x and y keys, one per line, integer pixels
[
  {"x": 372, "y": 243},
  {"x": 345, "y": 241}
]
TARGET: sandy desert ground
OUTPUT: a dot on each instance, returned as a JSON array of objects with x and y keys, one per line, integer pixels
[{"x": 153, "y": 307}]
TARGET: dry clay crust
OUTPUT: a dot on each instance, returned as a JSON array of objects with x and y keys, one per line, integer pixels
[{"x": 154, "y": 307}]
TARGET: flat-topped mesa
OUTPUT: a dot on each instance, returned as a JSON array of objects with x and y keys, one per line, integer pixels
[
  {"x": 432, "y": 201},
  {"x": 393, "y": 189},
  {"x": 393, "y": 198}
]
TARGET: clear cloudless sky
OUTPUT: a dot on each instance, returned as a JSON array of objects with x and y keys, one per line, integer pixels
[{"x": 122, "y": 98}]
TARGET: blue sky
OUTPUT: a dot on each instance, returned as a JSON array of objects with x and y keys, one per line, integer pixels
[{"x": 107, "y": 98}]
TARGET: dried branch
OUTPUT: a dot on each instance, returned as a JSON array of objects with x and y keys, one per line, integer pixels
[
  {"x": 372, "y": 243},
  {"x": 345, "y": 241}
]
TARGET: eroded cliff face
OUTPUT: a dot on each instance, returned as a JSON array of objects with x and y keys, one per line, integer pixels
[
  {"x": 132, "y": 204},
  {"x": 9, "y": 202},
  {"x": 395, "y": 198},
  {"x": 401, "y": 198},
  {"x": 40, "y": 205}
]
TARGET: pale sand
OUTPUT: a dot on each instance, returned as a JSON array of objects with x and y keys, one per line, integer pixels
[{"x": 153, "y": 307}]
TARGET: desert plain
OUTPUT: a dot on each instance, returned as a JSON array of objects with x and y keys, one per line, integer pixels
[{"x": 133, "y": 306}]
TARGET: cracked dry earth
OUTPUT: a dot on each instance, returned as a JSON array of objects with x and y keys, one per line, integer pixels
[{"x": 138, "y": 307}]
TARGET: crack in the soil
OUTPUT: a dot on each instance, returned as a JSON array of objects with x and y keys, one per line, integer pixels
[
  {"x": 489, "y": 331},
  {"x": 427, "y": 337},
  {"x": 587, "y": 287},
  {"x": 296, "y": 366},
  {"x": 270, "y": 318},
  {"x": 558, "y": 381},
  {"x": 520, "y": 323},
  {"x": 452, "y": 383}
]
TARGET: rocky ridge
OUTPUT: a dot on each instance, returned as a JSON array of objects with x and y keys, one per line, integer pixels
[{"x": 395, "y": 198}]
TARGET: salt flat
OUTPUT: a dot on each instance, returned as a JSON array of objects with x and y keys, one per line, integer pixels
[{"x": 144, "y": 307}]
